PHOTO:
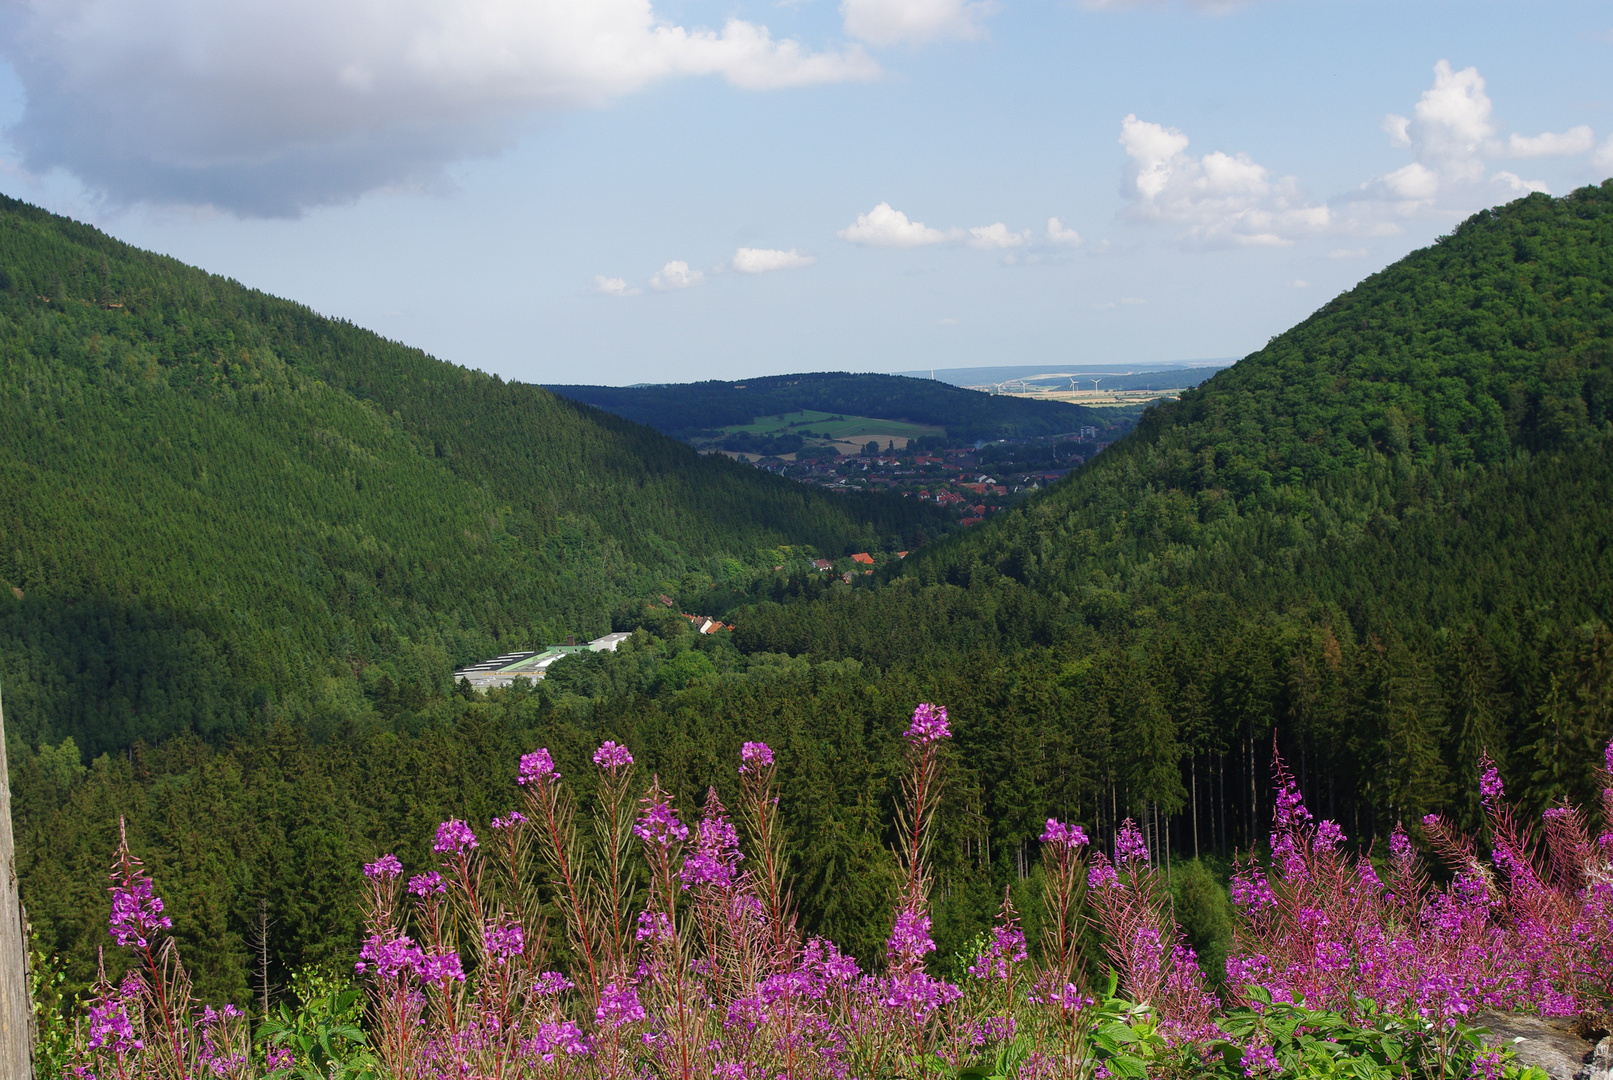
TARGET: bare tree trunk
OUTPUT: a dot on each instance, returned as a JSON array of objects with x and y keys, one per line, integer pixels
[
  {"x": 16, "y": 1008},
  {"x": 1194, "y": 772},
  {"x": 263, "y": 952}
]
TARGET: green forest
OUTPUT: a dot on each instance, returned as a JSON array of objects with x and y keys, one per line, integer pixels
[
  {"x": 218, "y": 508},
  {"x": 243, "y": 545}
]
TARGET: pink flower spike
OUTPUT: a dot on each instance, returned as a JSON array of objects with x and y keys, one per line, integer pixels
[
  {"x": 537, "y": 768},
  {"x": 454, "y": 838},
  {"x": 1062, "y": 835},
  {"x": 1490, "y": 787},
  {"x": 660, "y": 826},
  {"x": 137, "y": 914},
  {"x": 387, "y": 867},
  {"x": 1130, "y": 847},
  {"x": 425, "y": 884},
  {"x": 612, "y": 756},
  {"x": 755, "y": 755},
  {"x": 929, "y": 724}
]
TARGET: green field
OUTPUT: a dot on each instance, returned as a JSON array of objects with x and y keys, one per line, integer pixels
[{"x": 836, "y": 427}]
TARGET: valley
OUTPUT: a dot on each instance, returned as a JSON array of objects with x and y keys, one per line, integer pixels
[{"x": 246, "y": 548}]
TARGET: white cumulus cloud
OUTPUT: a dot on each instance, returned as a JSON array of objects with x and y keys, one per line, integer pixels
[
  {"x": 613, "y": 286},
  {"x": 269, "y": 107},
  {"x": 886, "y": 227},
  {"x": 1571, "y": 143},
  {"x": 761, "y": 260},
  {"x": 1222, "y": 199},
  {"x": 1213, "y": 7},
  {"x": 1058, "y": 234},
  {"x": 1603, "y": 158},
  {"x": 1517, "y": 185},
  {"x": 996, "y": 236},
  {"x": 1453, "y": 140},
  {"x": 676, "y": 275},
  {"x": 887, "y": 22}
]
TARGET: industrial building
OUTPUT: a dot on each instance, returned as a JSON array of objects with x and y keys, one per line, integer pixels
[{"x": 532, "y": 665}]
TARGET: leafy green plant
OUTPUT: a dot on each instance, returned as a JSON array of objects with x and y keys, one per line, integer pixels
[
  {"x": 1298, "y": 1041},
  {"x": 322, "y": 1033},
  {"x": 55, "y": 1040}
]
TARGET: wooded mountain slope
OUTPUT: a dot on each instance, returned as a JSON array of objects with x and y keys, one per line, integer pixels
[
  {"x": 1380, "y": 545},
  {"x": 216, "y": 506},
  {"x": 684, "y": 409},
  {"x": 1384, "y": 538}
]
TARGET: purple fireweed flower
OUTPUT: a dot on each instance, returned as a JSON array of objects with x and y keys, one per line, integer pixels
[
  {"x": 551, "y": 1039},
  {"x": 1007, "y": 947},
  {"x": 755, "y": 755},
  {"x": 618, "y": 1006},
  {"x": 423, "y": 885},
  {"x": 716, "y": 851},
  {"x": 611, "y": 756},
  {"x": 111, "y": 1028},
  {"x": 1291, "y": 812},
  {"x": 1261, "y": 1060},
  {"x": 1329, "y": 834},
  {"x": 537, "y": 768},
  {"x": 749, "y": 1013},
  {"x": 278, "y": 1057},
  {"x": 1400, "y": 845},
  {"x": 654, "y": 926},
  {"x": 910, "y": 938},
  {"x": 660, "y": 826},
  {"x": 550, "y": 984},
  {"x": 824, "y": 961},
  {"x": 389, "y": 956},
  {"x": 1254, "y": 969},
  {"x": 1607, "y": 756},
  {"x": 440, "y": 968},
  {"x": 929, "y": 724},
  {"x": 989, "y": 1029},
  {"x": 1556, "y": 813},
  {"x": 1101, "y": 875},
  {"x": 1490, "y": 787},
  {"x": 917, "y": 994},
  {"x": 454, "y": 838},
  {"x": 387, "y": 867},
  {"x": 1251, "y": 890},
  {"x": 1065, "y": 836},
  {"x": 503, "y": 940},
  {"x": 515, "y": 818},
  {"x": 1066, "y": 996},
  {"x": 136, "y": 914},
  {"x": 1130, "y": 847}
]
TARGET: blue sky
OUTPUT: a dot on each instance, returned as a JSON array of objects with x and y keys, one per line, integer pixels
[{"x": 610, "y": 191}]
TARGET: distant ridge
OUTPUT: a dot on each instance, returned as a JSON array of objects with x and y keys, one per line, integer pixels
[{"x": 695, "y": 410}]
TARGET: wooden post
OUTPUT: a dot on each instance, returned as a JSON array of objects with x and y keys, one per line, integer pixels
[{"x": 16, "y": 1009}]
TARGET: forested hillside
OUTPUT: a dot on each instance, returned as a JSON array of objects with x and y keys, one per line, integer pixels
[
  {"x": 1381, "y": 545},
  {"x": 686, "y": 409},
  {"x": 1383, "y": 538},
  {"x": 217, "y": 507}
]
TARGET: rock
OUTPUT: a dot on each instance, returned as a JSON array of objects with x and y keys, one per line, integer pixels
[
  {"x": 1548, "y": 1043},
  {"x": 1600, "y": 1066}
]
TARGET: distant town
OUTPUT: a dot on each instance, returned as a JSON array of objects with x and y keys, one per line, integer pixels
[{"x": 974, "y": 482}]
